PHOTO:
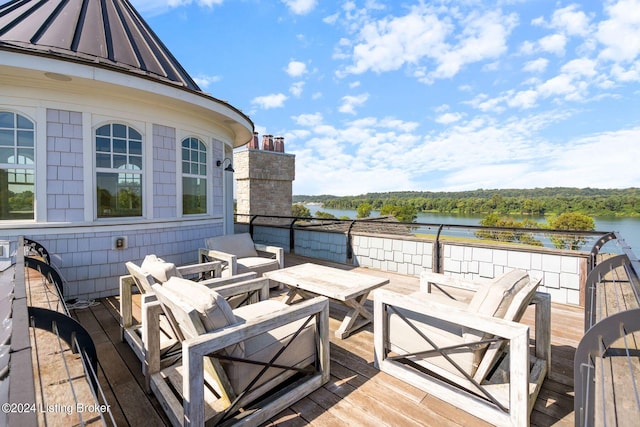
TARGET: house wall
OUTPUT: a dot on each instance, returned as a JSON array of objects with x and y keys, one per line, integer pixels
[{"x": 66, "y": 115}]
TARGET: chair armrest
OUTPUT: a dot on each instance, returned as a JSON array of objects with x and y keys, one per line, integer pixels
[
  {"x": 427, "y": 279},
  {"x": 490, "y": 325},
  {"x": 195, "y": 349},
  {"x": 220, "y": 281},
  {"x": 230, "y": 259},
  {"x": 213, "y": 267},
  {"x": 276, "y": 250},
  {"x": 258, "y": 284}
]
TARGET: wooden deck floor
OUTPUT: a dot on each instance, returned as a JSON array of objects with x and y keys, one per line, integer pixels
[{"x": 357, "y": 394}]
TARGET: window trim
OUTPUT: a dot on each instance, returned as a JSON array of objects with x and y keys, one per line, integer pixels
[
  {"x": 98, "y": 169},
  {"x": 180, "y": 175},
  {"x": 24, "y": 166}
]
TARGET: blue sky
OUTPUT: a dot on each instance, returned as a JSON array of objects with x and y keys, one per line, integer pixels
[{"x": 416, "y": 95}]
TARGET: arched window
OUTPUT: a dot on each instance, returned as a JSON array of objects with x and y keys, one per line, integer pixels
[
  {"x": 118, "y": 171},
  {"x": 17, "y": 160},
  {"x": 194, "y": 177}
]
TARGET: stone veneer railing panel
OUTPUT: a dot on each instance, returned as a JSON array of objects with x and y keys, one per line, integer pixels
[{"x": 563, "y": 272}]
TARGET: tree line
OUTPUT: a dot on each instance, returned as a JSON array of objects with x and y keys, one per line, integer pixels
[{"x": 536, "y": 202}]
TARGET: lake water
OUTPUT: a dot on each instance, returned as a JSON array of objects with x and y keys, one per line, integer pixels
[{"x": 629, "y": 228}]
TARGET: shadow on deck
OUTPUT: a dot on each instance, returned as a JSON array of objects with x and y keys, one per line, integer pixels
[{"x": 357, "y": 394}]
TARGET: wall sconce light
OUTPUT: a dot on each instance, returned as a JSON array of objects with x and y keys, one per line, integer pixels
[{"x": 229, "y": 168}]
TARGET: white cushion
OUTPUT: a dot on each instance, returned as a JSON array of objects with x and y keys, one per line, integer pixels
[
  {"x": 214, "y": 311},
  {"x": 495, "y": 297},
  {"x": 239, "y": 245},
  {"x": 404, "y": 339},
  {"x": 159, "y": 268}
]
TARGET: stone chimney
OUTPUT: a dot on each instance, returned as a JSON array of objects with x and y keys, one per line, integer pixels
[
  {"x": 253, "y": 145},
  {"x": 279, "y": 144},
  {"x": 267, "y": 142}
]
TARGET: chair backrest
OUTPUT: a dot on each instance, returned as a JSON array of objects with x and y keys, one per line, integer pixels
[
  {"x": 240, "y": 245},
  {"x": 143, "y": 280},
  {"x": 191, "y": 305},
  {"x": 513, "y": 312}
]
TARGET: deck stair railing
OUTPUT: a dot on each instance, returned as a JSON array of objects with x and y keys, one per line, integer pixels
[
  {"x": 18, "y": 387},
  {"x": 607, "y": 359}
]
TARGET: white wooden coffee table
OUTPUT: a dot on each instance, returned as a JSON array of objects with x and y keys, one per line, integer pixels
[{"x": 345, "y": 287}]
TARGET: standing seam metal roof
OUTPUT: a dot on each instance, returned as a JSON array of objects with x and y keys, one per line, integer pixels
[{"x": 108, "y": 33}]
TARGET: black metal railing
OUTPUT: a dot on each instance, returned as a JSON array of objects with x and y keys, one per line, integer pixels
[
  {"x": 609, "y": 329},
  {"x": 57, "y": 320}
]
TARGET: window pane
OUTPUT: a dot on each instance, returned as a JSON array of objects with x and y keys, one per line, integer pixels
[
  {"x": 135, "y": 162},
  {"x": 203, "y": 158},
  {"x": 104, "y": 130},
  {"x": 25, "y": 156},
  {"x": 103, "y": 144},
  {"x": 185, "y": 167},
  {"x": 25, "y": 138},
  {"x": 103, "y": 160},
  {"x": 186, "y": 154},
  {"x": 119, "y": 162},
  {"x": 119, "y": 194},
  {"x": 7, "y": 138},
  {"x": 203, "y": 170},
  {"x": 6, "y": 154},
  {"x": 24, "y": 123},
  {"x": 119, "y": 131},
  {"x": 194, "y": 196},
  {"x": 6, "y": 120},
  {"x": 119, "y": 146},
  {"x": 16, "y": 188},
  {"x": 135, "y": 148},
  {"x": 134, "y": 134}
]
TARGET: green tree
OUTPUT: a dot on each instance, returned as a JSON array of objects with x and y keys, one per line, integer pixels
[
  {"x": 364, "y": 210},
  {"x": 324, "y": 215},
  {"x": 511, "y": 232},
  {"x": 570, "y": 221},
  {"x": 401, "y": 213},
  {"x": 300, "y": 210}
]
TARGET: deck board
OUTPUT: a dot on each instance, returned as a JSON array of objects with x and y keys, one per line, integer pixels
[{"x": 357, "y": 393}]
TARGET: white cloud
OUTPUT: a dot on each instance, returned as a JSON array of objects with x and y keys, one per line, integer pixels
[
  {"x": 536, "y": 66},
  {"x": 296, "y": 68},
  {"x": 308, "y": 120},
  {"x": 205, "y": 81},
  {"x": 554, "y": 43},
  {"x": 448, "y": 118},
  {"x": 424, "y": 40},
  {"x": 620, "y": 34},
  {"x": 296, "y": 89},
  {"x": 571, "y": 21},
  {"x": 300, "y": 7},
  {"x": 350, "y": 103},
  {"x": 266, "y": 102}
]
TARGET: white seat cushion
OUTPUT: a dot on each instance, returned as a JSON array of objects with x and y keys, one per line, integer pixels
[
  {"x": 241, "y": 245},
  {"x": 405, "y": 339},
  {"x": 160, "y": 269}
]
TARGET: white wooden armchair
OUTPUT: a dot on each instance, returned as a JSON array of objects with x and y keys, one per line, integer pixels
[
  {"x": 155, "y": 270},
  {"x": 240, "y": 254},
  {"x": 473, "y": 354},
  {"x": 243, "y": 365}
]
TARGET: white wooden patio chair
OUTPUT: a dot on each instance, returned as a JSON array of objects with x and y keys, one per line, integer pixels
[
  {"x": 238, "y": 366},
  {"x": 474, "y": 355},
  {"x": 155, "y": 270},
  {"x": 240, "y": 254}
]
